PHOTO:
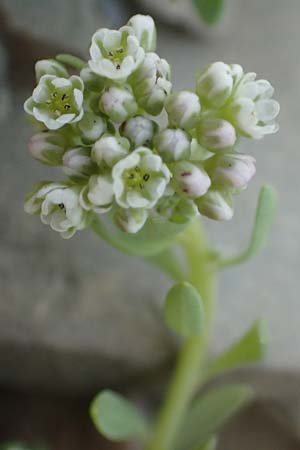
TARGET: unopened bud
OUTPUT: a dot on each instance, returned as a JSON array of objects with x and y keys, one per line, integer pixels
[
  {"x": 47, "y": 147},
  {"x": 216, "y": 134},
  {"x": 183, "y": 109},
  {"x": 50, "y": 67},
  {"x": 92, "y": 126},
  {"x": 118, "y": 104},
  {"x": 139, "y": 130},
  {"x": 77, "y": 162},
  {"x": 173, "y": 145},
  {"x": 233, "y": 169},
  {"x": 131, "y": 220},
  {"x": 109, "y": 150},
  {"x": 190, "y": 179},
  {"x": 145, "y": 31},
  {"x": 216, "y": 205}
]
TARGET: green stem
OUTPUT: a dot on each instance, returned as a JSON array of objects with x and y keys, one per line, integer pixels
[{"x": 187, "y": 375}]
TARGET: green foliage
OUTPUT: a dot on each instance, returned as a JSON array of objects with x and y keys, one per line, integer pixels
[
  {"x": 183, "y": 311},
  {"x": 209, "y": 10},
  {"x": 265, "y": 214},
  {"x": 70, "y": 60},
  {"x": 250, "y": 348},
  {"x": 210, "y": 444},
  {"x": 116, "y": 418},
  {"x": 210, "y": 411},
  {"x": 152, "y": 239}
]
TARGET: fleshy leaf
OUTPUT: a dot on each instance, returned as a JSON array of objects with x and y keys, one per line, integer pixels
[
  {"x": 210, "y": 444},
  {"x": 209, "y": 10},
  {"x": 183, "y": 311},
  {"x": 153, "y": 238},
  {"x": 116, "y": 418},
  {"x": 265, "y": 213},
  {"x": 210, "y": 411},
  {"x": 249, "y": 349}
]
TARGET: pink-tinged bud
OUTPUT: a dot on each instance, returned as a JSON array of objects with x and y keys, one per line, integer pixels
[
  {"x": 216, "y": 134},
  {"x": 183, "y": 109},
  {"x": 77, "y": 162},
  {"x": 216, "y": 205},
  {"x": 173, "y": 145},
  {"x": 47, "y": 147},
  {"x": 190, "y": 179},
  {"x": 234, "y": 170}
]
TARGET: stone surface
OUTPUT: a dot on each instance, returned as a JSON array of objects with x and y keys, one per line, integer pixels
[{"x": 77, "y": 315}]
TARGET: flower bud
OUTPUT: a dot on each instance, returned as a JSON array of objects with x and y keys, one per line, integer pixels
[
  {"x": 216, "y": 134},
  {"x": 151, "y": 83},
  {"x": 131, "y": 220},
  {"x": 190, "y": 179},
  {"x": 144, "y": 30},
  {"x": 47, "y": 147},
  {"x": 216, "y": 205},
  {"x": 139, "y": 130},
  {"x": 77, "y": 162},
  {"x": 214, "y": 84},
  {"x": 177, "y": 209},
  {"x": 50, "y": 67},
  {"x": 183, "y": 109},
  {"x": 92, "y": 126},
  {"x": 118, "y": 104},
  {"x": 233, "y": 169},
  {"x": 109, "y": 150},
  {"x": 98, "y": 194},
  {"x": 173, "y": 145}
]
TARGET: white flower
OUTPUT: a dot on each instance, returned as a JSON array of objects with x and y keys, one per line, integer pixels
[
  {"x": 115, "y": 54},
  {"x": 98, "y": 194},
  {"x": 216, "y": 205},
  {"x": 131, "y": 220},
  {"x": 190, "y": 179},
  {"x": 118, "y": 104},
  {"x": 233, "y": 169},
  {"x": 216, "y": 134},
  {"x": 215, "y": 83},
  {"x": 50, "y": 67},
  {"x": 173, "y": 145},
  {"x": 109, "y": 150},
  {"x": 92, "y": 126},
  {"x": 140, "y": 179},
  {"x": 183, "y": 109},
  {"x": 48, "y": 147},
  {"x": 56, "y": 101},
  {"x": 253, "y": 110},
  {"x": 176, "y": 209},
  {"x": 145, "y": 31},
  {"x": 151, "y": 83},
  {"x": 58, "y": 206},
  {"x": 77, "y": 162},
  {"x": 139, "y": 130}
]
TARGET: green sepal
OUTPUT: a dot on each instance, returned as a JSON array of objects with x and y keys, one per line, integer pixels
[{"x": 70, "y": 60}]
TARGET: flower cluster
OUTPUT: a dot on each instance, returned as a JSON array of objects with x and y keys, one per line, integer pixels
[{"x": 127, "y": 143}]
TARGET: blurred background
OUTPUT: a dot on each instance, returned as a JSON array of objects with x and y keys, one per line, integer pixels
[{"x": 76, "y": 316}]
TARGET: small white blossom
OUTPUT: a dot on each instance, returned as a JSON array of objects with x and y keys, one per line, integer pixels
[
  {"x": 118, "y": 104},
  {"x": 58, "y": 206},
  {"x": 253, "y": 110},
  {"x": 115, "y": 54},
  {"x": 50, "y": 67},
  {"x": 77, "y": 162},
  {"x": 190, "y": 179},
  {"x": 183, "y": 109},
  {"x": 139, "y": 130},
  {"x": 110, "y": 150},
  {"x": 97, "y": 195},
  {"x": 140, "y": 179},
  {"x": 151, "y": 83},
  {"x": 56, "y": 101},
  {"x": 215, "y": 83},
  {"x": 173, "y": 145},
  {"x": 216, "y": 205},
  {"x": 48, "y": 147},
  {"x": 131, "y": 220},
  {"x": 233, "y": 169},
  {"x": 145, "y": 31},
  {"x": 216, "y": 134},
  {"x": 92, "y": 126}
]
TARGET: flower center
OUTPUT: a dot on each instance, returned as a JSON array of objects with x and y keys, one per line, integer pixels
[
  {"x": 116, "y": 56},
  {"x": 61, "y": 102},
  {"x": 136, "y": 178}
]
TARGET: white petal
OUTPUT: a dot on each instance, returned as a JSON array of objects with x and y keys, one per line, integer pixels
[
  {"x": 61, "y": 83},
  {"x": 41, "y": 93},
  {"x": 65, "y": 118},
  {"x": 267, "y": 110},
  {"x": 78, "y": 97}
]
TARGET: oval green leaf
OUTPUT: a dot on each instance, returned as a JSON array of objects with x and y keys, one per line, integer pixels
[
  {"x": 209, "y": 10},
  {"x": 183, "y": 310},
  {"x": 116, "y": 418}
]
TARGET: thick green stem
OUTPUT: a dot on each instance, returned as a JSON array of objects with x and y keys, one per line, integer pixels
[{"x": 188, "y": 372}]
